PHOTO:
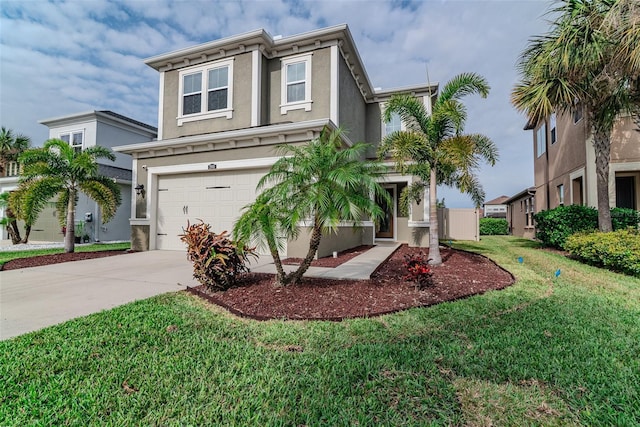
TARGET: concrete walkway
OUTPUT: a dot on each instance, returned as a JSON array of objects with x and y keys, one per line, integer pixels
[
  {"x": 357, "y": 268},
  {"x": 37, "y": 297}
]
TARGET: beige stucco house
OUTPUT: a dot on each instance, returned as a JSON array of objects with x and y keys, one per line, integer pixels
[
  {"x": 225, "y": 105},
  {"x": 520, "y": 211},
  {"x": 564, "y": 163}
]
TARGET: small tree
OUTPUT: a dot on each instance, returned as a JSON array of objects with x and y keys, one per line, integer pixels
[
  {"x": 57, "y": 169},
  {"x": 321, "y": 182}
]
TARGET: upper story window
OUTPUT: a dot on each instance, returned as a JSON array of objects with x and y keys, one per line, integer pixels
[
  {"x": 561, "y": 194},
  {"x": 12, "y": 169},
  {"x": 541, "y": 140},
  {"x": 296, "y": 83},
  {"x": 577, "y": 113},
  {"x": 74, "y": 138},
  {"x": 393, "y": 125},
  {"x": 553, "y": 128},
  {"x": 206, "y": 92}
]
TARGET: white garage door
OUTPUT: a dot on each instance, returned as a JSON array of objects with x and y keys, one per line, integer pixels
[{"x": 216, "y": 197}]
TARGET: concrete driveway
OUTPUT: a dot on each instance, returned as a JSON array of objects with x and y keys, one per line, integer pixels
[{"x": 33, "y": 298}]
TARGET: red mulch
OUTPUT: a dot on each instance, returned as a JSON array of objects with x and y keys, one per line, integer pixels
[
  {"x": 36, "y": 261},
  {"x": 331, "y": 262},
  {"x": 462, "y": 274}
]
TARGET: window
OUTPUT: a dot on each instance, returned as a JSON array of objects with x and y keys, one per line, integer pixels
[
  {"x": 541, "y": 140},
  {"x": 74, "y": 138},
  {"x": 552, "y": 127},
  {"x": 206, "y": 92},
  {"x": 296, "y": 83},
  {"x": 393, "y": 125},
  {"x": 577, "y": 114},
  {"x": 13, "y": 169},
  {"x": 561, "y": 194}
]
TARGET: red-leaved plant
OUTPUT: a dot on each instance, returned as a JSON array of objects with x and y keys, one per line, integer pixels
[
  {"x": 217, "y": 260},
  {"x": 418, "y": 270}
]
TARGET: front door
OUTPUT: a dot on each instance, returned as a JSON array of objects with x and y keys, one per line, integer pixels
[{"x": 385, "y": 230}]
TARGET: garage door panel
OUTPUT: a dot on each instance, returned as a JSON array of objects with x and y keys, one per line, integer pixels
[{"x": 216, "y": 197}]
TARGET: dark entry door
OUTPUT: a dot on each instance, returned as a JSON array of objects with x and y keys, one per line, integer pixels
[
  {"x": 625, "y": 192},
  {"x": 385, "y": 231}
]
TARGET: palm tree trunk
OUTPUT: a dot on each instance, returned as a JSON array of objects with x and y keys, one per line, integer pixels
[
  {"x": 273, "y": 249},
  {"x": 27, "y": 232},
  {"x": 602, "y": 145},
  {"x": 434, "y": 241},
  {"x": 14, "y": 232},
  {"x": 316, "y": 235},
  {"x": 69, "y": 238}
]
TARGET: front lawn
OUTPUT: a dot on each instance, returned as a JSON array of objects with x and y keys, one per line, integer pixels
[
  {"x": 96, "y": 247},
  {"x": 545, "y": 351}
]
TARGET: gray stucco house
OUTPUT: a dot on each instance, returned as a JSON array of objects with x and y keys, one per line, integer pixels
[
  {"x": 224, "y": 106},
  {"x": 83, "y": 130}
]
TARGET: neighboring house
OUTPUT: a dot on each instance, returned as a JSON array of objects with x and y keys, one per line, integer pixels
[
  {"x": 496, "y": 208},
  {"x": 564, "y": 163},
  {"x": 83, "y": 130},
  {"x": 225, "y": 105},
  {"x": 520, "y": 211}
]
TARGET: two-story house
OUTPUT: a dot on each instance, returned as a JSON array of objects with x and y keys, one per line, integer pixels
[
  {"x": 225, "y": 105},
  {"x": 564, "y": 163},
  {"x": 83, "y": 130}
]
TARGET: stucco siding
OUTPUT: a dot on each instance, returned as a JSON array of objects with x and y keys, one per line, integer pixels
[
  {"x": 320, "y": 89},
  {"x": 241, "y": 103},
  {"x": 111, "y": 136},
  {"x": 352, "y": 108},
  {"x": 346, "y": 238},
  {"x": 373, "y": 129}
]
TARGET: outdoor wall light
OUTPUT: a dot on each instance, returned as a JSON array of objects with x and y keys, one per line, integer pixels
[{"x": 139, "y": 190}]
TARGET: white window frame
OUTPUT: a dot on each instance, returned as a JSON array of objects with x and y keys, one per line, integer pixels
[
  {"x": 553, "y": 129},
  {"x": 13, "y": 169},
  {"x": 71, "y": 134},
  {"x": 297, "y": 105},
  {"x": 204, "y": 90},
  {"x": 560, "y": 194},
  {"x": 541, "y": 140},
  {"x": 385, "y": 129}
]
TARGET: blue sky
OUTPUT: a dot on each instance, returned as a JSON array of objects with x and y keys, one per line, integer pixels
[{"x": 64, "y": 57}]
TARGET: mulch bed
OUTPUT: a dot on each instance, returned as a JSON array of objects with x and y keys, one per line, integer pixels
[
  {"x": 40, "y": 260},
  {"x": 331, "y": 262},
  {"x": 462, "y": 274}
]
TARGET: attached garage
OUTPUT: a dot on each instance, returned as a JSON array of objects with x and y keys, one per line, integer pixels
[{"x": 215, "y": 197}]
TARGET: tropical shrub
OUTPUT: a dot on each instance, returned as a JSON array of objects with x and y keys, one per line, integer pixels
[
  {"x": 555, "y": 225},
  {"x": 623, "y": 218},
  {"x": 493, "y": 226},
  {"x": 418, "y": 270},
  {"x": 617, "y": 250},
  {"x": 218, "y": 261}
]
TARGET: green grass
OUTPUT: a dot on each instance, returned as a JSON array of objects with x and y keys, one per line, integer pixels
[
  {"x": 546, "y": 351},
  {"x": 9, "y": 255}
]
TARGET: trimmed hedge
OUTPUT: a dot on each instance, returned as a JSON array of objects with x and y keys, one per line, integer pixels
[
  {"x": 555, "y": 225},
  {"x": 617, "y": 251},
  {"x": 493, "y": 226}
]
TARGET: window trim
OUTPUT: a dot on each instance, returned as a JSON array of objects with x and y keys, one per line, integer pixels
[
  {"x": 297, "y": 105},
  {"x": 541, "y": 131},
  {"x": 71, "y": 133},
  {"x": 553, "y": 128},
  {"x": 204, "y": 92},
  {"x": 560, "y": 190},
  {"x": 384, "y": 126},
  {"x": 12, "y": 169}
]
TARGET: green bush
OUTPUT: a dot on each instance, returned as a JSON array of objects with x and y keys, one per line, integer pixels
[
  {"x": 622, "y": 218},
  {"x": 618, "y": 250},
  {"x": 218, "y": 261},
  {"x": 555, "y": 225},
  {"x": 493, "y": 226}
]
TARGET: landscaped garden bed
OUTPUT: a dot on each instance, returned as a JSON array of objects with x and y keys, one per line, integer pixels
[{"x": 462, "y": 274}]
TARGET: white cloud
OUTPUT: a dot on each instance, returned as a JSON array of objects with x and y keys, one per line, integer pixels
[{"x": 59, "y": 58}]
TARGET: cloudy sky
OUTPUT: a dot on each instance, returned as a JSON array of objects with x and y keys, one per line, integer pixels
[{"x": 64, "y": 57}]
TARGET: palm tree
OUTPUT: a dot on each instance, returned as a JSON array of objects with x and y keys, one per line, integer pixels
[
  {"x": 320, "y": 182},
  {"x": 434, "y": 148},
  {"x": 583, "y": 61},
  {"x": 9, "y": 220},
  {"x": 58, "y": 169},
  {"x": 10, "y": 147}
]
